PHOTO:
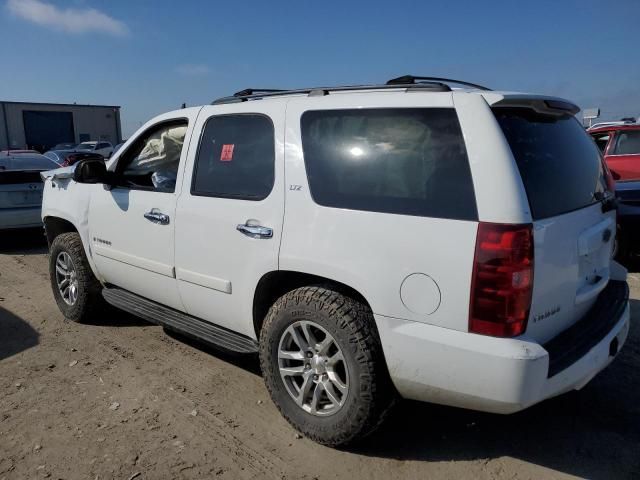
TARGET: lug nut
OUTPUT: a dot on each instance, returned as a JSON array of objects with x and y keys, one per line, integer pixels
[
  {"x": 315, "y": 377},
  {"x": 309, "y": 354}
]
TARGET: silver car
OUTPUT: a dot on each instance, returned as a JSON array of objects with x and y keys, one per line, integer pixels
[{"x": 21, "y": 188}]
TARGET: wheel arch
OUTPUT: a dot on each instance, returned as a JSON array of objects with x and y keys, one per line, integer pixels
[
  {"x": 54, "y": 226},
  {"x": 274, "y": 284}
]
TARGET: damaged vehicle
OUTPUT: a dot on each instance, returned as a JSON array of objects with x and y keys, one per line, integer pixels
[{"x": 427, "y": 239}]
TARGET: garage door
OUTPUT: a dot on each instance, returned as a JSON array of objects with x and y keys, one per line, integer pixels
[{"x": 45, "y": 129}]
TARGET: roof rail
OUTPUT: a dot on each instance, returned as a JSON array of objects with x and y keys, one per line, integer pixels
[
  {"x": 413, "y": 80},
  {"x": 409, "y": 82},
  {"x": 254, "y": 91}
]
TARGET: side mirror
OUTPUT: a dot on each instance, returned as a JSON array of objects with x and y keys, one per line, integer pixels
[{"x": 91, "y": 170}]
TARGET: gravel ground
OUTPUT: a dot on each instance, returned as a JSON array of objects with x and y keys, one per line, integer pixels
[{"x": 120, "y": 398}]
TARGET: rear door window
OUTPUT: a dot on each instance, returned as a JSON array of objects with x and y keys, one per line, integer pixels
[
  {"x": 236, "y": 158},
  {"x": 560, "y": 166},
  {"x": 409, "y": 161},
  {"x": 627, "y": 142}
]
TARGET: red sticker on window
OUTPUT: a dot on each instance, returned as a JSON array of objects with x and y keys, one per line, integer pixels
[{"x": 227, "y": 153}]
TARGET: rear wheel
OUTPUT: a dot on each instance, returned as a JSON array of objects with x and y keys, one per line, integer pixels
[
  {"x": 323, "y": 365},
  {"x": 75, "y": 288}
]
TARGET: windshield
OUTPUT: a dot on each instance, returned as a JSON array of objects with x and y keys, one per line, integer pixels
[
  {"x": 560, "y": 165},
  {"x": 86, "y": 146},
  {"x": 627, "y": 143}
]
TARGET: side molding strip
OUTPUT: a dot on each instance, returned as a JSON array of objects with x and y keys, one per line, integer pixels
[
  {"x": 133, "y": 260},
  {"x": 207, "y": 281}
]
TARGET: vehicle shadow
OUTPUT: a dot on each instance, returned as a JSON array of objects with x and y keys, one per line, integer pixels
[
  {"x": 592, "y": 433},
  {"x": 23, "y": 242},
  {"x": 248, "y": 362},
  {"x": 16, "y": 335},
  {"x": 632, "y": 263},
  {"x": 113, "y": 317}
]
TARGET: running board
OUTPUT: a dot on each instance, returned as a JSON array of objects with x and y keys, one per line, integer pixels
[{"x": 180, "y": 322}]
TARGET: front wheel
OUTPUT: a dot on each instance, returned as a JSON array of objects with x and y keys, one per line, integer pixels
[
  {"x": 323, "y": 365},
  {"x": 75, "y": 288}
]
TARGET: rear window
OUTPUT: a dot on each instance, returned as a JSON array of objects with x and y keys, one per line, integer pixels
[
  {"x": 408, "y": 161},
  {"x": 559, "y": 163},
  {"x": 627, "y": 143}
]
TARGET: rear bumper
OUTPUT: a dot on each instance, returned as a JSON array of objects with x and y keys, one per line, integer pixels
[
  {"x": 20, "y": 217},
  {"x": 450, "y": 367}
]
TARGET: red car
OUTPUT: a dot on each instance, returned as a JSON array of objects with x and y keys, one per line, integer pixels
[{"x": 620, "y": 145}]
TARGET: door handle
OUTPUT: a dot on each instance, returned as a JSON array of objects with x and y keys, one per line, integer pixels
[
  {"x": 156, "y": 216},
  {"x": 252, "y": 230}
]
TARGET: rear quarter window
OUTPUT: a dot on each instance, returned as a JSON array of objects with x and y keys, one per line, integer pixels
[
  {"x": 560, "y": 165},
  {"x": 408, "y": 161}
]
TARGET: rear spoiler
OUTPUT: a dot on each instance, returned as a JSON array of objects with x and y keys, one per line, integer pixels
[
  {"x": 58, "y": 173},
  {"x": 539, "y": 103}
]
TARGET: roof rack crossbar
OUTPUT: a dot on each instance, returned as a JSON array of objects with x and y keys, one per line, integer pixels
[
  {"x": 412, "y": 79},
  {"x": 251, "y": 94}
]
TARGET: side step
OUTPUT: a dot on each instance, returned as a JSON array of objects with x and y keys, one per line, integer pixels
[{"x": 180, "y": 322}]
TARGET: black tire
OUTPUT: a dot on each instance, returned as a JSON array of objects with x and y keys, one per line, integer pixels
[
  {"x": 89, "y": 301},
  {"x": 351, "y": 323}
]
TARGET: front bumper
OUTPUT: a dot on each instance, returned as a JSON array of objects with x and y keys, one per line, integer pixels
[
  {"x": 20, "y": 217},
  {"x": 499, "y": 375}
]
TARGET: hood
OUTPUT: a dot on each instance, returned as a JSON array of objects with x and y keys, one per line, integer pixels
[{"x": 59, "y": 173}]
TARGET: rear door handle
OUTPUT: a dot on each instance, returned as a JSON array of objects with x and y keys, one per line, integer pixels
[
  {"x": 156, "y": 216},
  {"x": 252, "y": 230}
]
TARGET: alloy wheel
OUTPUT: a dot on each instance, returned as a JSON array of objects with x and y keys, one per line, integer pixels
[{"x": 313, "y": 368}]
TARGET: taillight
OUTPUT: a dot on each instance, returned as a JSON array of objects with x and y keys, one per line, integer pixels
[{"x": 502, "y": 280}]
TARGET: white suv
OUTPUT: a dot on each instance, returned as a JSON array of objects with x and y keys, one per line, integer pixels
[
  {"x": 445, "y": 245},
  {"x": 103, "y": 148}
]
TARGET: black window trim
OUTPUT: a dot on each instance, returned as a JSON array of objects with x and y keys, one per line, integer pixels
[
  {"x": 195, "y": 193},
  {"x": 475, "y": 217},
  {"x": 118, "y": 167}
]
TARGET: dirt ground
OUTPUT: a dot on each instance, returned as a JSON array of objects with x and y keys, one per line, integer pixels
[{"x": 120, "y": 398}]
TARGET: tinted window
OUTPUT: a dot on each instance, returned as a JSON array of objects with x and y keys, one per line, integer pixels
[
  {"x": 560, "y": 165},
  {"x": 627, "y": 142},
  {"x": 406, "y": 160},
  {"x": 235, "y": 158}
]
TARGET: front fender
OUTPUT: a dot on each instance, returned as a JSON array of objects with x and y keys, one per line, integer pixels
[{"x": 70, "y": 201}]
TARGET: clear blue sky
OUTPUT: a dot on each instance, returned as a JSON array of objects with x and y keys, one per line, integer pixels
[{"x": 149, "y": 56}]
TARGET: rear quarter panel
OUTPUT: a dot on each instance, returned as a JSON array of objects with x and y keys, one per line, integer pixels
[{"x": 374, "y": 252}]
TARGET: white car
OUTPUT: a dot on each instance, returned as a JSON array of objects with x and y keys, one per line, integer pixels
[
  {"x": 103, "y": 148},
  {"x": 449, "y": 245},
  {"x": 21, "y": 188}
]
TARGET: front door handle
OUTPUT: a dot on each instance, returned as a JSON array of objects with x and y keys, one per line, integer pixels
[
  {"x": 251, "y": 229},
  {"x": 156, "y": 216}
]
